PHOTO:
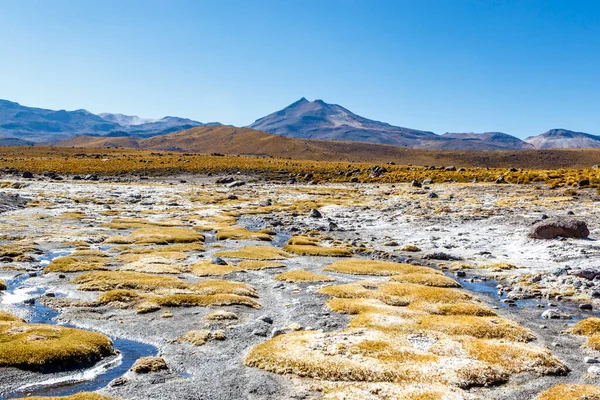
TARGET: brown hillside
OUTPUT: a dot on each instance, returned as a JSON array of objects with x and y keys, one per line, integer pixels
[{"x": 243, "y": 141}]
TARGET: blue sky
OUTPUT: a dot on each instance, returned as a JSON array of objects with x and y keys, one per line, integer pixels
[{"x": 520, "y": 67}]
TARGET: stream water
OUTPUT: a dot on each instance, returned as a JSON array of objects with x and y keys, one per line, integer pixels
[{"x": 61, "y": 384}]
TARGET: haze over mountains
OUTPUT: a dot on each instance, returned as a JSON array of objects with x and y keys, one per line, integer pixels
[{"x": 303, "y": 119}]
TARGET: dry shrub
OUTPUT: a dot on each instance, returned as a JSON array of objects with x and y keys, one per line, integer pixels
[
  {"x": 586, "y": 327},
  {"x": 221, "y": 315},
  {"x": 200, "y": 337},
  {"x": 299, "y": 275}
]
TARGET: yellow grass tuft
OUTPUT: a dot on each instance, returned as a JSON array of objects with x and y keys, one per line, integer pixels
[
  {"x": 206, "y": 268},
  {"x": 8, "y": 317},
  {"x": 118, "y": 296},
  {"x": 76, "y": 396},
  {"x": 377, "y": 268},
  {"x": 165, "y": 235},
  {"x": 255, "y": 253},
  {"x": 436, "y": 280},
  {"x": 109, "y": 280},
  {"x": 42, "y": 347},
  {"x": 200, "y": 337},
  {"x": 2, "y": 284},
  {"x": 312, "y": 250},
  {"x": 79, "y": 263},
  {"x": 303, "y": 241},
  {"x": 256, "y": 265},
  {"x": 299, "y": 275},
  {"x": 586, "y": 327},
  {"x": 221, "y": 315},
  {"x": 570, "y": 392},
  {"x": 240, "y": 233},
  {"x": 200, "y": 300}
]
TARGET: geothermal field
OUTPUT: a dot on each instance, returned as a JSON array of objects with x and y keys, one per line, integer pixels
[{"x": 380, "y": 283}]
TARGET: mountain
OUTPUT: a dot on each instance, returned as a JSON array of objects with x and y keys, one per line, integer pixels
[
  {"x": 38, "y": 124},
  {"x": 320, "y": 120},
  {"x": 323, "y": 121},
  {"x": 42, "y": 125},
  {"x": 562, "y": 138},
  {"x": 481, "y": 141},
  {"x": 243, "y": 141}
]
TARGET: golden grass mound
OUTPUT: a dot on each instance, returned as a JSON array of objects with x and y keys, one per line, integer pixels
[
  {"x": 255, "y": 253},
  {"x": 145, "y": 365},
  {"x": 570, "y": 392},
  {"x": 586, "y": 327},
  {"x": 77, "y": 263},
  {"x": 454, "y": 325},
  {"x": 41, "y": 347},
  {"x": 153, "y": 265},
  {"x": 121, "y": 296},
  {"x": 206, "y": 268},
  {"x": 365, "y": 356},
  {"x": 2, "y": 284},
  {"x": 311, "y": 250},
  {"x": 240, "y": 233},
  {"x": 218, "y": 286},
  {"x": 128, "y": 223},
  {"x": 200, "y": 337},
  {"x": 436, "y": 280},
  {"x": 298, "y": 275},
  {"x": 8, "y": 317},
  {"x": 377, "y": 268},
  {"x": 589, "y": 327},
  {"x": 475, "y": 309},
  {"x": 76, "y": 396},
  {"x": 221, "y": 315},
  {"x": 303, "y": 241},
  {"x": 109, "y": 280},
  {"x": 143, "y": 256},
  {"x": 257, "y": 265},
  {"x": 158, "y": 235},
  {"x": 200, "y": 300}
]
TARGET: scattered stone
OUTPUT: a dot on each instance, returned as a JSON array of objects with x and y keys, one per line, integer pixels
[
  {"x": 314, "y": 213},
  {"x": 432, "y": 195},
  {"x": 591, "y": 360},
  {"x": 27, "y": 175},
  {"x": 266, "y": 319},
  {"x": 416, "y": 183},
  {"x": 555, "y": 227},
  {"x": 218, "y": 261},
  {"x": 586, "y": 306},
  {"x": 594, "y": 370},
  {"x": 554, "y": 313},
  {"x": 235, "y": 184}
]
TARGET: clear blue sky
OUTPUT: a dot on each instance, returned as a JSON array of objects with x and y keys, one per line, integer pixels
[{"x": 520, "y": 67}]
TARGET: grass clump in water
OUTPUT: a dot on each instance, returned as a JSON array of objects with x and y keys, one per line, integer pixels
[
  {"x": 377, "y": 268},
  {"x": 303, "y": 241},
  {"x": 312, "y": 250},
  {"x": 240, "y": 233},
  {"x": 255, "y": 253},
  {"x": 46, "y": 348},
  {"x": 436, "y": 280},
  {"x": 299, "y": 275},
  {"x": 78, "y": 263}
]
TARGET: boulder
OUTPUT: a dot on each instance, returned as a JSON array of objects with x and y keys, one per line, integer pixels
[{"x": 554, "y": 227}]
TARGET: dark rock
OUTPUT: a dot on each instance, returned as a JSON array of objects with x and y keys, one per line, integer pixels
[
  {"x": 440, "y": 256},
  {"x": 585, "y": 306},
  {"x": 554, "y": 227},
  {"x": 500, "y": 179},
  {"x": 416, "y": 183},
  {"x": 225, "y": 180},
  {"x": 587, "y": 273},
  {"x": 232, "y": 197},
  {"x": 27, "y": 175},
  {"x": 218, "y": 261},
  {"x": 235, "y": 184},
  {"x": 583, "y": 182},
  {"x": 432, "y": 195},
  {"x": 266, "y": 319},
  {"x": 314, "y": 213}
]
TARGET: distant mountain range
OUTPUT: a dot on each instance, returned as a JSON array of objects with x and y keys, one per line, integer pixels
[
  {"x": 21, "y": 125},
  {"x": 42, "y": 125}
]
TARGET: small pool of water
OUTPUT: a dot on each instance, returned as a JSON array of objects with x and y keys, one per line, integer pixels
[
  {"x": 61, "y": 384},
  {"x": 488, "y": 288}
]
